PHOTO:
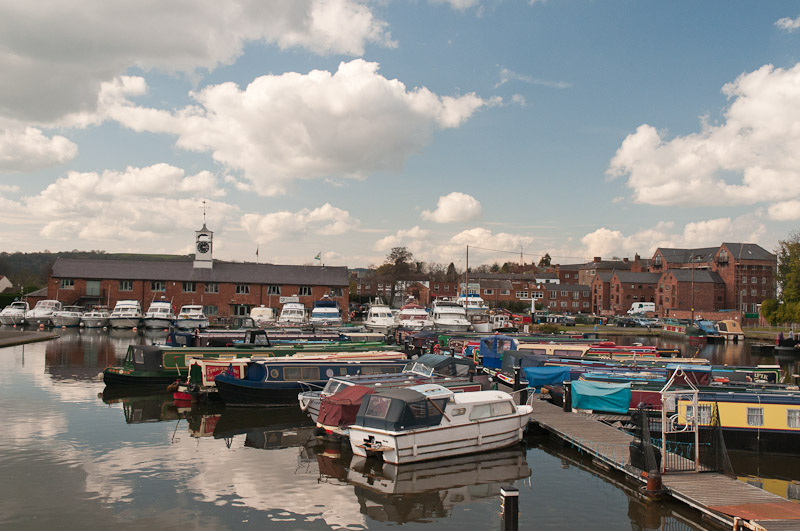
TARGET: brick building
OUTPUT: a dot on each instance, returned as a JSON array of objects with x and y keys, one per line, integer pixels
[
  {"x": 698, "y": 290},
  {"x": 224, "y": 289},
  {"x": 625, "y": 288}
]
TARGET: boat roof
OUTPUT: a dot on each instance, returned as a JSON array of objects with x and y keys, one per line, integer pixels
[
  {"x": 432, "y": 391},
  {"x": 476, "y": 397}
]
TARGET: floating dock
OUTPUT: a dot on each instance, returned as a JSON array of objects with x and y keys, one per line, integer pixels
[{"x": 723, "y": 499}]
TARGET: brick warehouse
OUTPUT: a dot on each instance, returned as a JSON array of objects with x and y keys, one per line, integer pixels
[{"x": 225, "y": 289}]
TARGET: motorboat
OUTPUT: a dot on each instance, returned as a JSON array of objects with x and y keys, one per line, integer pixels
[
  {"x": 14, "y": 313},
  {"x": 262, "y": 316},
  {"x": 126, "y": 314},
  {"x": 731, "y": 330},
  {"x": 191, "y": 317},
  {"x": 450, "y": 316},
  {"x": 380, "y": 319},
  {"x": 326, "y": 312},
  {"x": 292, "y": 313},
  {"x": 96, "y": 318},
  {"x": 428, "y": 421},
  {"x": 414, "y": 316},
  {"x": 41, "y": 313},
  {"x": 477, "y": 312},
  {"x": 159, "y": 315},
  {"x": 68, "y": 316}
]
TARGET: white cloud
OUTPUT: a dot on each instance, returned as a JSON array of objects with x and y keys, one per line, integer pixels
[
  {"x": 785, "y": 210},
  {"x": 43, "y": 79},
  {"x": 24, "y": 150},
  {"x": 325, "y": 220},
  {"x": 788, "y": 24},
  {"x": 507, "y": 75},
  {"x": 750, "y": 158},
  {"x": 454, "y": 207},
  {"x": 485, "y": 247},
  {"x": 402, "y": 238},
  {"x": 459, "y": 5},
  {"x": 306, "y": 126},
  {"x": 708, "y": 233}
]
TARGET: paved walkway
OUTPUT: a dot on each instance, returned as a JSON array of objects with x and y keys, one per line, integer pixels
[{"x": 9, "y": 338}]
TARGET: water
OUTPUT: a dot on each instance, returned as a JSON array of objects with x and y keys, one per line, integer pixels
[{"x": 72, "y": 456}]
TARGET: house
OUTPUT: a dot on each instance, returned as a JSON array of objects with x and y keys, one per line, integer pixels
[{"x": 5, "y": 284}]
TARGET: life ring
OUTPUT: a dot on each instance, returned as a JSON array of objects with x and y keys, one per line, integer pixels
[{"x": 436, "y": 348}]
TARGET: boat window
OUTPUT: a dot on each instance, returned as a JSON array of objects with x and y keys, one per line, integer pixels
[
  {"x": 300, "y": 373},
  {"x": 419, "y": 410},
  {"x": 138, "y": 356},
  {"x": 459, "y": 411},
  {"x": 563, "y": 352},
  {"x": 722, "y": 327},
  {"x": 793, "y": 418},
  {"x": 755, "y": 416},
  {"x": 378, "y": 370},
  {"x": 502, "y": 408},
  {"x": 480, "y": 411},
  {"x": 378, "y": 407}
]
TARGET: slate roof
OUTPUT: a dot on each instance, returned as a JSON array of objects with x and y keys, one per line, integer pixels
[
  {"x": 748, "y": 251},
  {"x": 700, "y": 275},
  {"x": 565, "y": 287},
  {"x": 638, "y": 278},
  {"x": 684, "y": 256},
  {"x": 607, "y": 264},
  {"x": 605, "y": 276},
  {"x": 232, "y": 272}
]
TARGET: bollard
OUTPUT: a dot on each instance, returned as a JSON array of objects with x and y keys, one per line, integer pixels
[
  {"x": 510, "y": 505},
  {"x": 654, "y": 489},
  {"x": 516, "y": 379},
  {"x": 567, "y": 406}
]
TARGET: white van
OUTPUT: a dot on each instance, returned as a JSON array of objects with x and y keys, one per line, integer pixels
[{"x": 642, "y": 307}]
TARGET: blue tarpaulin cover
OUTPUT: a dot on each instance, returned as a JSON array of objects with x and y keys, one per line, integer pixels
[
  {"x": 492, "y": 348},
  {"x": 539, "y": 376},
  {"x": 599, "y": 396}
]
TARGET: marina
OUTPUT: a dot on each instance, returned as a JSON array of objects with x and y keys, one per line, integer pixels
[{"x": 138, "y": 453}]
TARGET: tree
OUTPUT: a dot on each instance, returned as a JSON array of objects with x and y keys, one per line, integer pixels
[
  {"x": 398, "y": 263},
  {"x": 788, "y": 274},
  {"x": 545, "y": 260},
  {"x": 452, "y": 274}
]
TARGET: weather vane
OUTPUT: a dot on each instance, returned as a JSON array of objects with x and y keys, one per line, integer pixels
[{"x": 204, "y": 211}]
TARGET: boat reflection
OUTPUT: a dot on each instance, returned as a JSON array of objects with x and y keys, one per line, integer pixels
[{"x": 79, "y": 356}]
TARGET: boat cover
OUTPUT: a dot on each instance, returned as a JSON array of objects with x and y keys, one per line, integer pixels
[
  {"x": 341, "y": 408},
  {"x": 599, "y": 396},
  {"x": 539, "y": 376},
  {"x": 492, "y": 348},
  {"x": 445, "y": 365},
  {"x": 400, "y": 409}
]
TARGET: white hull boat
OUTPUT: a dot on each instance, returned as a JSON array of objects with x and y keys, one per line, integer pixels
[
  {"x": 159, "y": 315},
  {"x": 450, "y": 316},
  {"x": 292, "y": 313},
  {"x": 380, "y": 319},
  {"x": 95, "y": 319},
  {"x": 42, "y": 313},
  {"x": 127, "y": 314},
  {"x": 68, "y": 317},
  {"x": 427, "y": 422},
  {"x": 14, "y": 313},
  {"x": 191, "y": 317}
]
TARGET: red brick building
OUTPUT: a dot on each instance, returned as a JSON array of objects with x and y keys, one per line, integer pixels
[{"x": 625, "y": 288}]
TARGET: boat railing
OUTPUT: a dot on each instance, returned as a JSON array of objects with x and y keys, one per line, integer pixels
[{"x": 308, "y": 386}]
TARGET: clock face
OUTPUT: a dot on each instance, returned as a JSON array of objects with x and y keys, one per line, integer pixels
[{"x": 203, "y": 247}]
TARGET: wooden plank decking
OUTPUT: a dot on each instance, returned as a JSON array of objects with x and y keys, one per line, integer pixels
[{"x": 718, "y": 496}]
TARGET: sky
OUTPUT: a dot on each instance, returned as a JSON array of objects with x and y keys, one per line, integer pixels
[{"x": 344, "y": 128}]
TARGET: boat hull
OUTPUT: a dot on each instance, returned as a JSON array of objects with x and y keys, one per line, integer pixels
[
  {"x": 94, "y": 322},
  {"x": 12, "y": 319},
  {"x": 239, "y": 394},
  {"x": 157, "y": 322},
  {"x": 439, "y": 442},
  {"x": 191, "y": 324},
  {"x": 124, "y": 322},
  {"x": 115, "y": 376},
  {"x": 67, "y": 322}
]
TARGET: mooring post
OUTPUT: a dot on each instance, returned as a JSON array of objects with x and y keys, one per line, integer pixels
[
  {"x": 510, "y": 505},
  {"x": 516, "y": 379},
  {"x": 567, "y": 406}
]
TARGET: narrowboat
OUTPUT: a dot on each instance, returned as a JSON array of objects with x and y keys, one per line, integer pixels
[
  {"x": 427, "y": 422},
  {"x": 279, "y": 380},
  {"x": 154, "y": 365}
]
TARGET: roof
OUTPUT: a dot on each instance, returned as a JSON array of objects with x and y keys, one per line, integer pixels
[
  {"x": 699, "y": 276},
  {"x": 247, "y": 272},
  {"x": 644, "y": 278},
  {"x": 605, "y": 276},
  {"x": 607, "y": 264},
  {"x": 748, "y": 251},
  {"x": 480, "y": 397},
  {"x": 684, "y": 256}
]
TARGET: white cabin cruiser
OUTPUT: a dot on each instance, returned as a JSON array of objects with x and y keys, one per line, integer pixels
[
  {"x": 97, "y": 318},
  {"x": 326, "y": 312},
  {"x": 191, "y": 317},
  {"x": 477, "y": 312},
  {"x": 292, "y": 313},
  {"x": 126, "y": 314},
  {"x": 159, "y": 315},
  {"x": 414, "y": 316},
  {"x": 42, "y": 312},
  {"x": 67, "y": 317},
  {"x": 262, "y": 316},
  {"x": 380, "y": 319},
  {"x": 14, "y": 313},
  {"x": 428, "y": 421},
  {"x": 450, "y": 316}
]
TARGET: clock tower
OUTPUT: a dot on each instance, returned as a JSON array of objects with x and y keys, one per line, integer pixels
[{"x": 203, "y": 247}]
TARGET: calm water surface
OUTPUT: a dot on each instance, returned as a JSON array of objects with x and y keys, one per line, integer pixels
[{"x": 73, "y": 455}]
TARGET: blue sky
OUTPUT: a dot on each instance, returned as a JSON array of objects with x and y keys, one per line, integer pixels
[{"x": 344, "y": 127}]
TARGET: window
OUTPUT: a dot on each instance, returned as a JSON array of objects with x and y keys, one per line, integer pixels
[
  {"x": 704, "y": 413},
  {"x": 500, "y": 409},
  {"x": 212, "y": 287},
  {"x": 755, "y": 416},
  {"x": 240, "y": 310},
  {"x": 586, "y": 304},
  {"x": 537, "y": 295},
  {"x": 753, "y": 292},
  {"x": 378, "y": 407},
  {"x": 243, "y": 289},
  {"x": 480, "y": 411},
  {"x": 457, "y": 412},
  {"x": 337, "y": 292},
  {"x": 158, "y": 285},
  {"x": 666, "y": 288},
  {"x": 585, "y": 293},
  {"x": 753, "y": 280},
  {"x": 210, "y": 310},
  {"x": 505, "y": 292},
  {"x": 793, "y": 418},
  {"x": 366, "y": 287},
  {"x": 126, "y": 285},
  {"x": 273, "y": 290},
  {"x": 744, "y": 280},
  {"x": 553, "y": 304},
  {"x": 552, "y": 294},
  {"x": 576, "y": 295},
  {"x": 522, "y": 294},
  {"x": 563, "y": 304},
  {"x": 764, "y": 280},
  {"x": 67, "y": 283},
  {"x": 305, "y": 291},
  {"x": 189, "y": 287},
  {"x": 447, "y": 287},
  {"x": 488, "y": 292},
  {"x": 576, "y": 304},
  {"x": 300, "y": 373},
  {"x": 436, "y": 287},
  {"x": 563, "y": 293}
]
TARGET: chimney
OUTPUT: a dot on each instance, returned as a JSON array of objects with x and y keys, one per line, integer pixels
[
  {"x": 596, "y": 259},
  {"x": 625, "y": 260}
]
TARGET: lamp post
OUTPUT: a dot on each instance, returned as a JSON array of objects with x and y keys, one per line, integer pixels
[{"x": 692, "y": 259}]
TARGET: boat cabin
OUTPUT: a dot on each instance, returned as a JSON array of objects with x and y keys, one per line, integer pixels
[{"x": 404, "y": 409}]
